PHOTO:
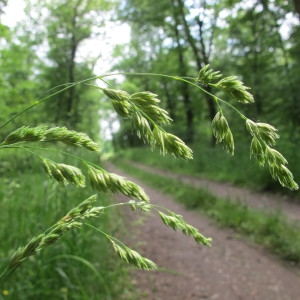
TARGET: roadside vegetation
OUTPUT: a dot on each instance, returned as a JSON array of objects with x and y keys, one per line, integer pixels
[
  {"x": 81, "y": 265},
  {"x": 213, "y": 163}
]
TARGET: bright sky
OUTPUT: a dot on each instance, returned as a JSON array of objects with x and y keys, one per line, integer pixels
[{"x": 14, "y": 13}]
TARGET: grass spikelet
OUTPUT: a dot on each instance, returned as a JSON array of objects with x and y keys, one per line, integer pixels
[
  {"x": 232, "y": 86},
  {"x": 142, "y": 127},
  {"x": 70, "y": 137},
  {"x": 170, "y": 144},
  {"x": 177, "y": 222},
  {"x": 118, "y": 95},
  {"x": 206, "y": 75},
  {"x": 54, "y": 134},
  {"x": 266, "y": 132},
  {"x": 283, "y": 175},
  {"x": 274, "y": 157},
  {"x": 222, "y": 132},
  {"x": 110, "y": 182},
  {"x": 120, "y": 101},
  {"x": 26, "y": 134},
  {"x": 142, "y": 206},
  {"x": 132, "y": 257},
  {"x": 147, "y": 103},
  {"x": 63, "y": 173},
  {"x": 257, "y": 151},
  {"x": 144, "y": 98}
]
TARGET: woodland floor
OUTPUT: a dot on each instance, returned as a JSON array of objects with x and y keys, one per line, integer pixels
[{"x": 233, "y": 268}]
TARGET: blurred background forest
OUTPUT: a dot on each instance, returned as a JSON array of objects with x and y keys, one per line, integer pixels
[
  {"x": 58, "y": 42},
  {"x": 62, "y": 41}
]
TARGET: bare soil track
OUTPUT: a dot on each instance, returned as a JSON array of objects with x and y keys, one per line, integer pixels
[
  {"x": 265, "y": 201},
  {"x": 230, "y": 270}
]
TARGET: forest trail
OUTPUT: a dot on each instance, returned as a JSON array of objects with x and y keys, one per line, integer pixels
[
  {"x": 268, "y": 201},
  {"x": 232, "y": 269}
]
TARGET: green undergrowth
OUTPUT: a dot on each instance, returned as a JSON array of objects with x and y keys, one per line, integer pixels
[
  {"x": 82, "y": 265},
  {"x": 208, "y": 162},
  {"x": 271, "y": 230},
  {"x": 213, "y": 163}
]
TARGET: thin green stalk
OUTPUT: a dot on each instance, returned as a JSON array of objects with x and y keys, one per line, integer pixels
[
  {"x": 6, "y": 274},
  {"x": 27, "y": 148},
  {"x": 38, "y": 102}
]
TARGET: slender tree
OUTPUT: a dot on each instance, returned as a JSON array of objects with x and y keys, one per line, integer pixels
[{"x": 69, "y": 24}]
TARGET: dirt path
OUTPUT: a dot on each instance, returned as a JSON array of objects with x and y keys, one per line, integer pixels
[
  {"x": 230, "y": 270},
  {"x": 268, "y": 201}
]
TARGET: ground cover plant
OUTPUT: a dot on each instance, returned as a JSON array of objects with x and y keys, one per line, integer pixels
[
  {"x": 30, "y": 202},
  {"x": 148, "y": 121}
]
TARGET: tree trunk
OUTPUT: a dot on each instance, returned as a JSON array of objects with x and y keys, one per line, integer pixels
[
  {"x": 297, "y": 6},
  {"x": 169, "y": 100},
  {"x": 189, "y": 114},
  {"x": 201, "y": 57}
]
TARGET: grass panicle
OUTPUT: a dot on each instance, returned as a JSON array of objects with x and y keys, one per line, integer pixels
[
  {"x": 265, "y": 135},
  {"x": 110, "y": 182},
  {"x": 222, "y": 132},
  {"x": 132, "y": 257},
  {"x": 53, "y": 134},
  {"x": 177, "y": 222},
  {"x": 72, "y": 220},
  {"x": 146, "y": 118}
]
